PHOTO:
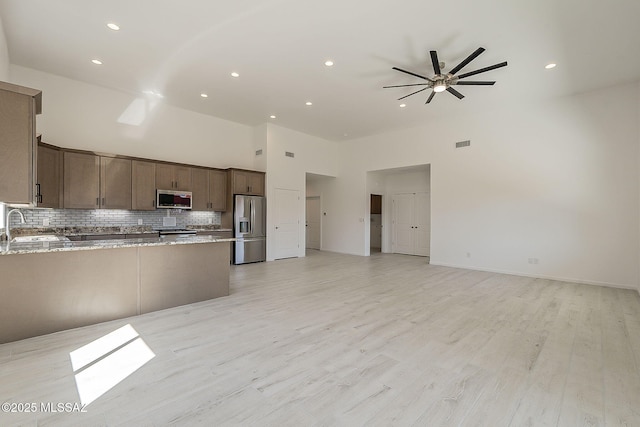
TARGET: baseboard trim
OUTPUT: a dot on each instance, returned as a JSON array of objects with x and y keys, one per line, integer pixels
[{"x": 538, "y": 276}]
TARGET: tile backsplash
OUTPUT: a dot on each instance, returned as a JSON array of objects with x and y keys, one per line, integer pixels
[{"x": 109, "y": 218}]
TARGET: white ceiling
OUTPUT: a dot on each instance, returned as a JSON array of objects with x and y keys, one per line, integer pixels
[{"x": 184, "y": 48}]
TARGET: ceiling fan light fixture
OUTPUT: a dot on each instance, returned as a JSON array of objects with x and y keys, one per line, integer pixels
[{"x": 440, "y": 86}]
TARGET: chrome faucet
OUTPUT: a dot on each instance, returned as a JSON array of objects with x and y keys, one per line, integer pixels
[{"x": 8, "y": 222}]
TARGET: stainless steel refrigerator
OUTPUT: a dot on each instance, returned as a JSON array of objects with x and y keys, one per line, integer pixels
[{"x": 250, "y": 229}]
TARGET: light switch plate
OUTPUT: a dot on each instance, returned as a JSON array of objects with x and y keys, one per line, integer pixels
[
  {"x": 45, "y": 222},
  {"x": 139, "y": 221}
]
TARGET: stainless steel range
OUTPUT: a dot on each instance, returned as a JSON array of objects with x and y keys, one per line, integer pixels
[{"x": 174, "y": 232}]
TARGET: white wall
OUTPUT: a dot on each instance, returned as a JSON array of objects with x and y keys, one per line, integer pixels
[
  {"x": 312, "y": 155},
  {"x": 557, "y": 182},
  {"x": 83, "y": 116},
  {"x": 4, "y": 55}
]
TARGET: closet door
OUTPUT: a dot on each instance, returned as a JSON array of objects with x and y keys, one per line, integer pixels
[
  {"x": 404, "y": 238},
  {"x": 411, "y": 224}
]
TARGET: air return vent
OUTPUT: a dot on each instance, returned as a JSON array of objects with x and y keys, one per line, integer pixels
[
  {"x": 463, "y": 144},
  {"x": 259, "y": 152},
  {"x": 289, "y": 154}
]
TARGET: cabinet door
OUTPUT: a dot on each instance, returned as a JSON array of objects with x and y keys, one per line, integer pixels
[
  {"x": 143, "y": 186},
  {"x": 256, "y": 183},
  {"x": 17, "y": 128},
  {"x": 115, "y": 178},
  {"x": 240, "y": 182},
  {"x": 182, "y": 178},
  {"x": 48, "y": 180},
  {"x": 218, "y": 190},
  {"x": 200, "y": 189},
  {"x": 81, "y": 181},
  {"x": 164, "y": 177}
]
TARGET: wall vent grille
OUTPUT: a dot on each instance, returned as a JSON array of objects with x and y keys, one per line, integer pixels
[
  {"x": 289, "y": 154},
  {"x": 463, "y": 144},
  {"x": 259, "y": 152}
]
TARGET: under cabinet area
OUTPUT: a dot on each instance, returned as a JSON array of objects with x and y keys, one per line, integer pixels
[
  {"x": 93, "y": 182},
  {"x": 209, "y": 187}
]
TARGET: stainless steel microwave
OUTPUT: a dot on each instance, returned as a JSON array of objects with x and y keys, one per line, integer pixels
[{"x": 171, "y": 199}]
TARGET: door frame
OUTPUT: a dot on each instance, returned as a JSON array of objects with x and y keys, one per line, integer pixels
[{"x": 307, "y": 198}]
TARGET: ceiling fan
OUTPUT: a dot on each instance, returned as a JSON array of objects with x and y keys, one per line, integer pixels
[{"x": 444, "y": 81}]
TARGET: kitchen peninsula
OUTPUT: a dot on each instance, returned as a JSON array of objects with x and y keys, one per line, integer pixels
[{"x": 53, "y": 286}]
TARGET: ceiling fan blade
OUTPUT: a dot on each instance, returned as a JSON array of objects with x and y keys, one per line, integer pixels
[
  {"x": 464, "y": 63},
  {"x": 475, "y": 83},
  {"x": 482, "y": 70},
  {"x": 455, "y": 92},
  {"x": 424, "y": 88},
  {"x": 430, "y": 97},
  {"x": 434, "y": 61},
  {"x": 415, "y": 84},
  {"x": 413, "y": 74}
]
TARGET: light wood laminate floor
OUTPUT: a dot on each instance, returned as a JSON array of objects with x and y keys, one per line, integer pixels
[{"x": 338, "y": 340}]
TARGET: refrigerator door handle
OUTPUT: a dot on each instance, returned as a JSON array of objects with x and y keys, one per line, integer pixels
[{"x": 253, "y": 214}]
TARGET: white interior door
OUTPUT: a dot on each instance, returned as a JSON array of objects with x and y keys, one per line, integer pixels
[
  {"x": 313, "y": 223},
  {"x": 404, "y": 239},
  {"x": 411, "y": 222},
  {"x": 286, "y": 232}
]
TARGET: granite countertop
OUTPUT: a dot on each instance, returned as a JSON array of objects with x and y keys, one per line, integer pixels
[
  {"x": 85, "y": 231},
  {"x": 7, "y": 248}
]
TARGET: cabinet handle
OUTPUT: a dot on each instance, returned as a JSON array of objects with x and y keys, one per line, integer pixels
[
  {"x": 37, "y": 189},
  {"x": 97, "y": 201},
  {"x": 103, "y": 201}
]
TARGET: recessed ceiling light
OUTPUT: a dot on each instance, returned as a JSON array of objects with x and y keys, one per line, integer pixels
[
  {"x": 234, "y": 74},
  {"x": 272, "y": 116},
  {"x": 550, "y": 66},
  {"x": 113, "y": 26},
  {"x": 204, "y": 95},
  {"x": 309, "y": 103},
  {"x": 403, "y": 105},
  {"x": 96, "y": 61},
  {"x": 329, "y": 63}
]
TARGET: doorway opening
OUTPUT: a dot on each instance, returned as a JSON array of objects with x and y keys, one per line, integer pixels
[
  {"x": 403, "y": 197},
  {"x": 313, "y": 223},
  {"x": 375, "y": 229}
]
